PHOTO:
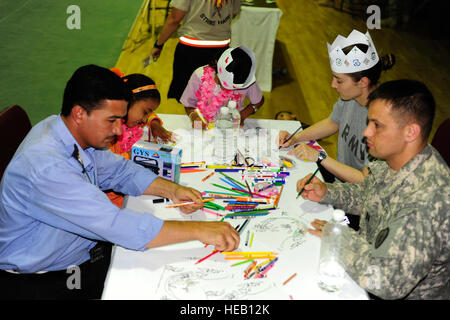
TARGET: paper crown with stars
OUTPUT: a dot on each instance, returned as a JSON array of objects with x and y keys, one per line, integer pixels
[{"x": 355, "y": 60}]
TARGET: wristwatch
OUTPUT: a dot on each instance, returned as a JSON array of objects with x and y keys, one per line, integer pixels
[
  {"x": 255, "y": 109},
  {"x": 321, "y": 157},
  {"x": 155, "y": 45}
]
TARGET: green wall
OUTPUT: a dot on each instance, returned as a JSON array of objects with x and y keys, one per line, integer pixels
[{"x": 38, "y": 53}]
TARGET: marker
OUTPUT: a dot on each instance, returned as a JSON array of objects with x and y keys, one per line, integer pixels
[
  {"x": 160, "y": 200},
  {"x": 193, "y": 163}
]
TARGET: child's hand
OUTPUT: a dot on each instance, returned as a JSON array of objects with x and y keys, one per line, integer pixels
[{"x": 159, "y": 131}]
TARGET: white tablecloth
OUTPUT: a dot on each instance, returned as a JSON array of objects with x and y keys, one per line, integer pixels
[
  {"x": 170, "y": 272},
  {"x": 256, "y": 28}
]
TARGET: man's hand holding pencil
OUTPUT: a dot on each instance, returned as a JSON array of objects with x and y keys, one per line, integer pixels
[{"x": 311, "y": 189}]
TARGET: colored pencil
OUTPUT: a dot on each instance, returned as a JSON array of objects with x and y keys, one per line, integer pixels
[
  {"x": 231, "y": 184},
  {"x": 254, "y": 194},
  {"x": 225, "y": 188},
  {"x": 236, "y": 253},
  {"x": 211, "y": 212},
  {"x": 248, "y": 187},
  {"x": 290, "y": 137},
  {"x": 238, "y": 215},
  {"x": 251, "y": 240},
  {"x": 289, "y": 279},
  {"x": 249, "y": 269},
  {"x": 309, "y": 180},
  {"x": 186, "y": 203},
  {"x": 209, "y": 255},
  {"x": 247, "y": 257},
  {"x": 201, "y": 116},
  {"x": 226, "y": 176},
  {"x": 243, "y": 226},
  {"x": 242, "y": 262},
  {"x": 208, "y": 176},
  {"x": 191, "y": 170},
  {"x": 223, "y": 193},
  {"x": 278, "y": 197}
]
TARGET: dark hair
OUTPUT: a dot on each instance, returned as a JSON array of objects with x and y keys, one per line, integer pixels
[
  {"x": 386, "y": 62},
  {"x": 91, "y": 84},
  {"x": 411, "y": 100},
  {"x": 137, "y": 80}
]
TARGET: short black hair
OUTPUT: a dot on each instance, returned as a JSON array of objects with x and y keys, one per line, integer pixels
[
  {"x": 90, "y": 85},
  {"x": 411, "y": 100}
]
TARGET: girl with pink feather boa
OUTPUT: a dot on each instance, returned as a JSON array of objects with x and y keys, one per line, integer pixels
[
  {"x": 141, "y": 112},
  {"x": 231, "y": 77}
]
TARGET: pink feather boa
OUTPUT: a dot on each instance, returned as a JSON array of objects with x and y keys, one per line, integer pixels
[
  {"x": 208, "y": 102},
  {"x": 129, "y": 137}
]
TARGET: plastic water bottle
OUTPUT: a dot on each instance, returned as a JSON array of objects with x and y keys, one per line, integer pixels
[
  {"x": 224, "y": 148},
  {"x": 236, "y": 117},
  {"x": 331, "y": 272}
]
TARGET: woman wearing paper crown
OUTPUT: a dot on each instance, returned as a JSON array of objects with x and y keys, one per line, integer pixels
[
  {"x": 356, "y": 69},
  {"x": 231, "y": 77}
]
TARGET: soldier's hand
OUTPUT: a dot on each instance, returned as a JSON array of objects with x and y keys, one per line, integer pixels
[
  {"x": 318, "y": 227},
  {"x": 315, "y": 190}
]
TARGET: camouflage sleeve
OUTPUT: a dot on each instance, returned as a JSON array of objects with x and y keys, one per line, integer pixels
[
  {"x": 346, "y": 196},
  {"x": 391, "y": 268}
]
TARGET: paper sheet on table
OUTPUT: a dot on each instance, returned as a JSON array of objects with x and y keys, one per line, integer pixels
[{"x": 261, "y": 144}]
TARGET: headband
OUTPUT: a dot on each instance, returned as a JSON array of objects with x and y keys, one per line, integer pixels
[{"x": 144, "y": 88}]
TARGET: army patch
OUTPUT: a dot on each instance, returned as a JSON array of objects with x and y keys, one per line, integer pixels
[{"x": 382, "y": 235}]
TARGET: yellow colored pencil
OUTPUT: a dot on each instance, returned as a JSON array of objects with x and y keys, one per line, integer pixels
[
  {"x": 240, "y": 253},
  {"x": 186, "y": 203},
  {"x": 248, "y": 257},
  {"x": 251, "y": 240}
]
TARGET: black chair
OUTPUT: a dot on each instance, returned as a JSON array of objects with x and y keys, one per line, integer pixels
[
  {"x": 14, "y": 126},
  {"x": 441, "y": 140}
]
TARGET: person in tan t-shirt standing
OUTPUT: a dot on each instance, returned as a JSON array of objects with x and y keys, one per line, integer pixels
[{"x": 204, "y": 35}]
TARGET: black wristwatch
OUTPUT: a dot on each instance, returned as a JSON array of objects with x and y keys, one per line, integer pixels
[
  {"x": 321, "y": 157},
  {"x": 155, "y": 45}
]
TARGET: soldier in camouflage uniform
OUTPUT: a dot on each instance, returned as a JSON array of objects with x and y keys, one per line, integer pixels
[{"x": 402, "y": 248}]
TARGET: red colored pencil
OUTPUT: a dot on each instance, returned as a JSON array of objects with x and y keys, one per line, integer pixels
[
  {"x": 209, "y": 255},
  {"x": 254, "y": 194}
]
